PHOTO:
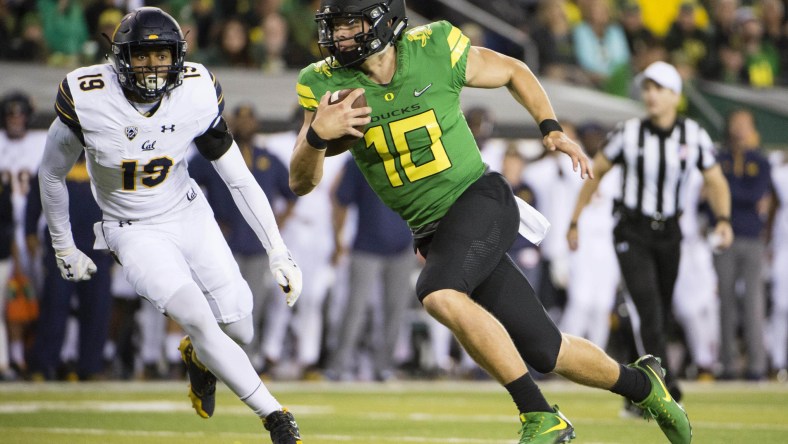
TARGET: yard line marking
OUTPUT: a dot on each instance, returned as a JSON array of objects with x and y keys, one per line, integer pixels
[{"x": 321, "y": 437}]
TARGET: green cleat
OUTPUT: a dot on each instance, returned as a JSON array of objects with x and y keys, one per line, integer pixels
[
  {"x": 545, "y": 428},
  {"x": 660, "y": 405},
  {"x": 202, "y": 387}
]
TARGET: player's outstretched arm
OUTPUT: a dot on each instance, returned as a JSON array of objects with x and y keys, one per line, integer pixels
[
  {"x": 250, "y": 199},
  {"x": 489, "y": 69},
  {"x": 60, "y": 153}
]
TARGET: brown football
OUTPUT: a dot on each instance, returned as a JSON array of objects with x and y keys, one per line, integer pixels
[{"x": 342, "y": 144}]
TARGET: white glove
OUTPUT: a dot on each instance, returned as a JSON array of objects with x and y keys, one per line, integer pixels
[
  {"x": 286, "y": 273},
  {"x": 74, "y": 265}
]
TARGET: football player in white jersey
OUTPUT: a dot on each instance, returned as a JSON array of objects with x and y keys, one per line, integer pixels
[{"x": 136, "y": 118}]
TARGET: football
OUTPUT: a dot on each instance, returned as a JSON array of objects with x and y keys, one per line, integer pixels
[{"x": 342, "y": 144}]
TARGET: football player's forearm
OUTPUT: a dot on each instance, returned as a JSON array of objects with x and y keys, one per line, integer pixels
[
  {"x": 306, "y": 167},
  {"x": 527, "y": 90},
  {"x": 60, "y": 153},
  {"x": 249, "y": 197}
]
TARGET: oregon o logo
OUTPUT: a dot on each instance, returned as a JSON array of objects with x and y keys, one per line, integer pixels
[{"x": 389, "y": 97}]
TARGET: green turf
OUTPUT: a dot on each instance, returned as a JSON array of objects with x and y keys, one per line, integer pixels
[{"x": 403, "y": 412}]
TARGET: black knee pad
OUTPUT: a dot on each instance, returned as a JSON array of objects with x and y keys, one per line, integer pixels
[{"x": 508, "y": 295}]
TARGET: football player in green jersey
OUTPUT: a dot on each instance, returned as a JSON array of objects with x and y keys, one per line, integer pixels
[{"x": 419, "y": 156}]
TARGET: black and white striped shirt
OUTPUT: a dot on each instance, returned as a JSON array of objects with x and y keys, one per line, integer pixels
[{"x": 657, "y": 162}]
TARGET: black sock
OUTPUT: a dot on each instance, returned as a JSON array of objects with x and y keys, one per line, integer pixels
[
  {"x": 632, "y": 384},
  {"x": 527, "y": 396}
]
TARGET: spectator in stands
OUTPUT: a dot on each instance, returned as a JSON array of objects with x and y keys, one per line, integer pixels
[
  {"x": 107, "y": 21},
  {"x": 761, "y": 58},
  {"x": 65, "y": 30},
  {"x": 600, "y": 44},
  {"x": 273, "y": 42},
  {"x": 723, "y": 22},
  {"x": 553, "y": 38},
  {"x": 776, "y": 32},
  {"x": 302, "y": 46},
  {"x": 93, "y": 12},
  {"x": 204, "y": 18},
  {"x": 632, "y": 22},
  {"x": 28, "y": 44},
  {"x": 749, "y": 176},
  {"x": 688, "y": 42},
  {"x": 191, "y": 33},
  {"x": 731, "y": 64},
  {"x": 233, "y": 48}
]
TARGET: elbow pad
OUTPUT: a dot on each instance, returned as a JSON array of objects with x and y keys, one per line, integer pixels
[{"x": 216, "y": 141}]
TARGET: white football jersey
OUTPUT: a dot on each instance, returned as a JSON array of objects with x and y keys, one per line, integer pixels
[{"x": 138, "y": 163}]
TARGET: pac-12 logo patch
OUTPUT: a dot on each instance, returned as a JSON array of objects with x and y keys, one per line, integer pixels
[{"x": 131, "y": 132}]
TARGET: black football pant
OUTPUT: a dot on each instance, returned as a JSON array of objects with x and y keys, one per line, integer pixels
[{"x": 648, "y": 254}]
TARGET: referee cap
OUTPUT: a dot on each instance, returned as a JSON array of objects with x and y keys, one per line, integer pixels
[{"x": 663, "y": 74}]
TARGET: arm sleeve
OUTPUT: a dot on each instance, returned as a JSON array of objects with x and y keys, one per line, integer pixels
[
  {"x": 249, "y": 197},
  {"x": 61, "y": 151}
]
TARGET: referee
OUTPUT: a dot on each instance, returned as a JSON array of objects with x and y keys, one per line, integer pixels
[{"x": 656, "y": 155}]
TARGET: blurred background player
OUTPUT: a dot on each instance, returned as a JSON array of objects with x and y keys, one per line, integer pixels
[
  {"x": 90, "y": 301},
  {"x": 695, "y": 297},
  {"x": 593, "y": 275},
  {"x": 740, "y": 269},
  {"x": 381, "y": 266},
  {"x": 21, "y": 150}
]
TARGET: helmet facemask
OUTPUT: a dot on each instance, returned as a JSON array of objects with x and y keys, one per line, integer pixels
[
  {"x": 156, "y": 80},
  {"x": 380, "y": 26}
]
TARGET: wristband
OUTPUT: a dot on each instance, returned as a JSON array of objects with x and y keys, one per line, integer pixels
[
  {"x": 313, "y": 139},
  {"x": 548, "y": 125},
  {"x": 572, "y": 225},
  {"x": 723, "y": 219}
]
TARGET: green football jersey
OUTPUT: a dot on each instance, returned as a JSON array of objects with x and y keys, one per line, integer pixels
[{"x": 418, "y": 153}]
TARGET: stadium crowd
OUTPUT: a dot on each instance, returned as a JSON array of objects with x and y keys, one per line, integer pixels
[
  {"x": 598, "y": 43},
  {"x": 104, "y": 330}
]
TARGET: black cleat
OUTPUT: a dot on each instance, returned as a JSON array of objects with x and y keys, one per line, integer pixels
[
  {"x": 202, "y": 387},
  {"x": 283, "y": 427}
]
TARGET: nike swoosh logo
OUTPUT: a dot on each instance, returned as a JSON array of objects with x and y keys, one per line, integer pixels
[
  {"x": 560, "y": 426},
  {"x": 666, "y": 397},
  {"x": 418, "y": 92}
]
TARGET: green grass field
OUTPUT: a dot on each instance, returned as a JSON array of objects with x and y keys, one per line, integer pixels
[{"x": 401, "y": 412}]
